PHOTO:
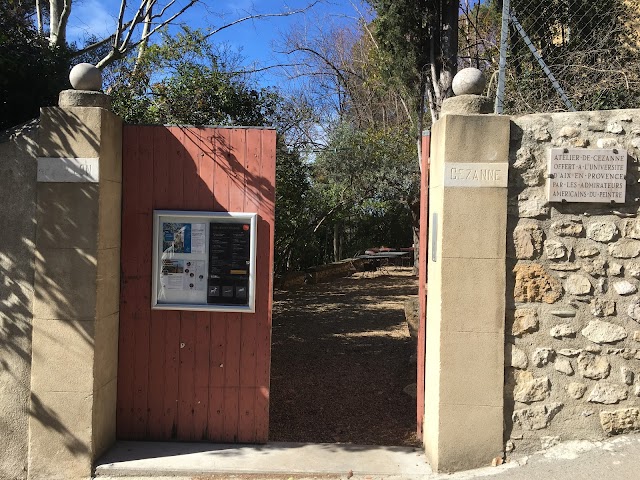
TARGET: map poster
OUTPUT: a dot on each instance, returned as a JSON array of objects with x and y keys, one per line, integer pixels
[{"x": 183, "y": 275}]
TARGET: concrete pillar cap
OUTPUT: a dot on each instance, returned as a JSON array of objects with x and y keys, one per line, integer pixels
[
  {"x": 84, "y": 98},
  {"x": 466, "y": 105}
]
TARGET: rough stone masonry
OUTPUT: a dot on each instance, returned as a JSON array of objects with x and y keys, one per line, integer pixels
[{"x": 573, "y": 310}]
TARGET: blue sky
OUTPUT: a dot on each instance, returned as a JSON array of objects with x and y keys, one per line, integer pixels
[{"x": 255, "y": 40}]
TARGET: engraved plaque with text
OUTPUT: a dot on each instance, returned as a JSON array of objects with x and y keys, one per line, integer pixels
[
  {"x": 476, "y": 175},
  {"x": 68, "y": 170},
  {"x": 587, "y": 175}
]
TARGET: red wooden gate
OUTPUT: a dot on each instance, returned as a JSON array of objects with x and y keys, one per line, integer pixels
[
  {"x": 193, "y": 375},
  {"x": 422, "y": 289}
]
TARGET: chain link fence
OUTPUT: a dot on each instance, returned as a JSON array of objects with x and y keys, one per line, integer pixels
[{"x": 555, "y": 55}]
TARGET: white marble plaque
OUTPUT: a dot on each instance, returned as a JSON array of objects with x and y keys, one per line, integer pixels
[
  {"x": 477, "y": 175},
  {"x": 67, "y": 170},
  {"x": 587, "y": 175}
]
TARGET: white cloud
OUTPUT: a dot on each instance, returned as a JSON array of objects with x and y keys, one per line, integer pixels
[{"x": 91, "y": 18}]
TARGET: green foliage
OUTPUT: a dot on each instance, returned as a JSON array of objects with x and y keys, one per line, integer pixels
[
  {"x": 355, "y": 192},
  {"x": 31, "y": 73},
  {"x": 368, "y": 180},
  {"x": 184, "y": 80},
  {"x": 365, "y": 164},
  {"x": 294, "y": 212},
  {"x": 419, "y": 39},
  {"x": 403, "y": 29},
  {"x": 584, "y": 44},
  {"x": 377, "y": 224},
  {"x": 479, "y": 33}
]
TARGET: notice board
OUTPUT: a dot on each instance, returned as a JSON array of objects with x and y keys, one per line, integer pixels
[{"x": 204, "y": 261}]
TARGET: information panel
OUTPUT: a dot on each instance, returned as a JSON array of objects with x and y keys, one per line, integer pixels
[
  {"x": 229, "y": 260},
  {"x": 587, "y": 175},
  {"x": 204, "y": 261}
]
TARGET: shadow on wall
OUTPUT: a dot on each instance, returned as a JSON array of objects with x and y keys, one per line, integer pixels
[
  {"x": 219, "y": 145},
  {"x": 17, "y": 235}
]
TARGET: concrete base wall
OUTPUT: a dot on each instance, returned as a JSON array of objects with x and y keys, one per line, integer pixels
[{"x": 17, "y": 240}]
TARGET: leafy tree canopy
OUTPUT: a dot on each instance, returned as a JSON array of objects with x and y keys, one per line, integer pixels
[
  {"x": 184, "y": 79},
  {"x": 31, "y": 72}
]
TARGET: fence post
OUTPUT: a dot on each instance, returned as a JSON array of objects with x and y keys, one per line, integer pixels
[{"x": 504, "y": 35}]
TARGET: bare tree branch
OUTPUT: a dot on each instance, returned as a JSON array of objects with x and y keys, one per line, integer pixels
[
  {"x": 170, "y": 19},
  {"x": 137, "y": 18},
  {"x": 120, "y": 27},
  {"x": 259, "y": 16}
]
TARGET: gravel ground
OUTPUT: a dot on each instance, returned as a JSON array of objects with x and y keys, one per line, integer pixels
[{"x": 341, "y": 358}]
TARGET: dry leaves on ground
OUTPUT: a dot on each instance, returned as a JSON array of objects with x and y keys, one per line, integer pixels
[{"x": 341, "y": 357}]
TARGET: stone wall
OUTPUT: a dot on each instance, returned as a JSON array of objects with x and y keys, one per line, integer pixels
[
  {"x": 17, "y": 240},
  {"x": 573, "y": 311}
]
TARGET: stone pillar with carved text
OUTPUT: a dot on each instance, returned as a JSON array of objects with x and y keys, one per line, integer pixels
[
  {"x": 463, "y": 423},
  {"x": 76, "y": 305}
]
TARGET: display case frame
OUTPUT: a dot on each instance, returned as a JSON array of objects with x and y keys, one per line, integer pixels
[{"x": 187, "y": 245}]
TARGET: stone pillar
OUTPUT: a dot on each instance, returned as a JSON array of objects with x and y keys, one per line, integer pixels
[
  {"x": 464, "y": 364},
  {"x": 77, "y": 280}
]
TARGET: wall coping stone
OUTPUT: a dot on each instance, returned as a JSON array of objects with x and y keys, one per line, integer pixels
[{"x": 84, "y": 98}]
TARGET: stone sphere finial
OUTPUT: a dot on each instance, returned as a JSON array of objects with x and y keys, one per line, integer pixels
[
  {"x": 85, "y": 76},
  {"x": 468, "y": 81}
]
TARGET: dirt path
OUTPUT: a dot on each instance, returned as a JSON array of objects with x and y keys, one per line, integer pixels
[{"x": 341, "y": 358}]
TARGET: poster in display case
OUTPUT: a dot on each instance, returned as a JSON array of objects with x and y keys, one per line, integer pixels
[{"x": 204, "y": 261}]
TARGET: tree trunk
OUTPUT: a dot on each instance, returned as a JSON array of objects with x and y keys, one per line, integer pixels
[
  {"x": 449, "y": 26},
  {"x": 39, "y": 16},
  {"x": 54, "y": 21},
  {"x": 337, "y": 242},
  {"x": 59, "y": 11},
  {"x": 415, "y": 229},
  {"x": 146, "y": 28}
]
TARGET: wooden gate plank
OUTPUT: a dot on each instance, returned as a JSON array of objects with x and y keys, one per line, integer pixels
[
  {"x": 218, "y": 320},
  {"x": 159, "y": 319},
  {"x": 128, "y": 302},
  {"x": 223, "y": 187},
  {"x": 188, "y": 324},
  {"x": 247, "y": 424},
  {"x": 234, "y": 154},
  {"x": 175, "y": 176},
  {"x": 201, "y": 198},
  {"x": 186, "y": 391},
  {"x": 264, "y": 294},
  {"x": 144, "y": 205}
]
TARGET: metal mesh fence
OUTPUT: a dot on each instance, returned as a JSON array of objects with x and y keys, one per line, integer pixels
[{"x": 559, "y": 54}]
